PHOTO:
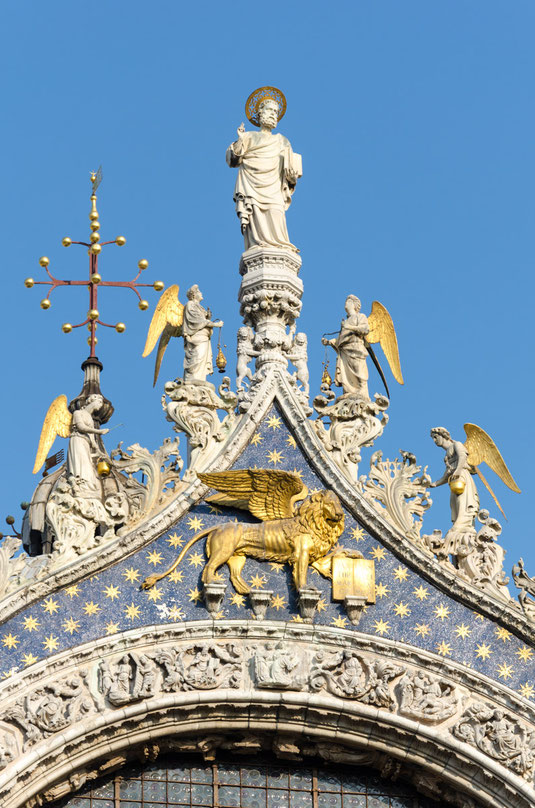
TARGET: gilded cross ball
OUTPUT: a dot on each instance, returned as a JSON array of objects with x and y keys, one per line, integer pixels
[{"x": 95, "y": 278}]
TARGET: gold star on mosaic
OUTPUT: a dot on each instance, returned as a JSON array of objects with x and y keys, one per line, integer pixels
[
  {"x": 50, "y": 606},
  {"x": 175, "y": 541},
  {"x": 296, "y": 618},
  {"x": 195, "y": 523},
  {"x": 444, "y": 648},
  {"x": 401, "y": 609},
  {"x": 237, "y": 600},
  {"x": 441, "y": 611},
  {"x": 256, "y": 439},
  {"x": 381, "y": 627},
  {"x": 381, "y": 591},
  {"x": 176, "y": 613},
  {"x": 400, "y": 573},
  {"x": 194, "y": 595},
  {"x": 73, "y": 591},
  {"x": 297, "y": 473},
  {"x": 111, "y": 591},
  {"x": 7, "y": 674},
  {"x": 218, "y": 576},
  {"x": 524, "y": 653},
  {"x": 274, "y": 422},
  {"x": 71, "y": 625},
  {"x": 421, "y": 592},
  {"x": 112, "y": 628},
  {"x": 483, "y": 651},
  {"x": 527, "y": 690},
  {"x": 422, "y": 629},
  {"x": 50, "y": 643},
  {"x": 321, "y": 605},
  {"x": 502, "y": 633},
  {"x": 358, "y": 534},
  {"x": 274, "y": 457},
  {"x": 176, "y": 576},
  {"x": 462, "y": 631},
  {"x": 505, "y": 671},
  {"x": 218, "y": 615},
  {"x": 257, "y": 581},
  {"x": 10, "y": 640},
  {"x": 479, "y": 616},
  {"x": 91, "y": 608},
  {"x": 131, "y": 575},
  {"x": 132, "y": 611},
  {"x": 290, "y": 441},
  {"x": 30, "y": 623},
  {"x": 275, "y": 566},
  {"x": 195, "y": 560},
  {"x": 379, "y": 553},
  {"x": 29, "y": 659},
  {"x": 154, "y": 594},
  {"x": 278, "y": 602},
  {"x": 339, "y": 622},
  {"x": 154, "y": 557},
  {"x": 214, "y": 510}
]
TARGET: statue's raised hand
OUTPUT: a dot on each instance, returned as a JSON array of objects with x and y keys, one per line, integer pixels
[
  {"x": 241, "y": 130},
  {"x": 218, "y": 324}
]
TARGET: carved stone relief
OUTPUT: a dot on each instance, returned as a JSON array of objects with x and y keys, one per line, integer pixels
[
  {"x": 348, "y": 675},
  {"x": 426, "y": 698},
  {"x": 279, "y": 667},
  {"x": 201, "y": 667}
]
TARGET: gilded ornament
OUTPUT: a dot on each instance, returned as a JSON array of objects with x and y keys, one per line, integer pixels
[
  {"x": 28, "y": 283},
  {"x": 457, "y": 486},
  {"x": 93, "y": 215},
  {"x": 96, "y": 278},
  {"x": 143, "y": 263},
  {"x": 93, "y": 314},
  {"x": 143, "y": 305},
  {"x": 158, "y": 286},
  {"x": 94, "y": 237},
  {"x": 66, "y": 241},
  {"x": 96, "y": 249},
  {"x": 120, "y": 241},
  {"x": 66, "y": 328},
  {"x": 44, "y": 261},
  {"x": 120, "y": 328},
  {"x": 92, "y": 340},
  {"x": 103, "y": 468},
  {"x": 45, "y": 304},
  {"x": 261, "y": 94},
  {"x": 95, "y": 225}
]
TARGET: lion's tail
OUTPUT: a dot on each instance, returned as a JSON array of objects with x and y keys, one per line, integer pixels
[{"x": 152, "y": 579}]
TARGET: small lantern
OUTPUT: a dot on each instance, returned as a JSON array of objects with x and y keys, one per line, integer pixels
[
  {"x": 103, "y": 467},
  {"x": 457, "y": 486}
]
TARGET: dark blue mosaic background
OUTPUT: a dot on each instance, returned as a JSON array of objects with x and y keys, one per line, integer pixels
[{"x": 408, "y": 609}]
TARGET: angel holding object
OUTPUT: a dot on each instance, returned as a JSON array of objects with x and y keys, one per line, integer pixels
[
  {"x": 192, "y": 322},
  {"x": 462, "y": 461},
  {"x": 353, "y": 346}
]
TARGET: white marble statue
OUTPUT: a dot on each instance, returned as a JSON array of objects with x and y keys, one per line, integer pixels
[
  {"x": 197, "y": 328},
  {"x": 351, "y": 354},
  {"x": 268, "y": 171},
  {"x": 83, "y": 451}
]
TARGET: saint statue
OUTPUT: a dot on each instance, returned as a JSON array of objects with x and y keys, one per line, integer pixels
[
  {"x": 83, "y": 452},
  {"x": 268, "y": 171}
]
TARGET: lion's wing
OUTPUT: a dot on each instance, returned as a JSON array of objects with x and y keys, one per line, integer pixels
[{"x": 267, "y": 493}]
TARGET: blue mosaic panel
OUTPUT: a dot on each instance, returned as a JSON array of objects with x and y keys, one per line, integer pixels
[{"x": 408, "y": 609}]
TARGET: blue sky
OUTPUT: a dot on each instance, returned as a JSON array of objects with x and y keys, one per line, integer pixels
[{"x": 415, "y": 121}]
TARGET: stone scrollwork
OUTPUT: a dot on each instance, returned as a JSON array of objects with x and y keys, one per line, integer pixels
[
  {"x": 193, "y": 407},
  {"x": 349, "y": 676},
  {"x": 397, "y": 493},
  {"x": 355, "y": 422},
  {"x": 499, "y": 736},
  {"x": 426, "y": 698},
  {"x": 277, "y": 666},
  {"x": 51, "y": 708},
  {"x": 201, "y": 667}
]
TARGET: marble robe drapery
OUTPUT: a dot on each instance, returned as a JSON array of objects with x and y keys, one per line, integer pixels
[
  {"x": 81, "y": 463},
  {"x": 262, "y": 188},
  {"x": 197, "y": 347},
  {"x": 351, "y": 367}
]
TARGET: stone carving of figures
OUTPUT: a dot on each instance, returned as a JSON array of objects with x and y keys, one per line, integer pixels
[
  {"x": 245, "y": 351},
  {"x": 351, "y": 368},
  {"x": 426, "y": 698},
  {"x": 298, "y": 354},
  {"x": 268, "y": 171},
  {"x": 197, "y": 329},
  {"x": 83, "y": 450},
  {"x": 275, "y": 666},
  {"x": 145, "y": 677},
  {"x": 465, "y": 504}
]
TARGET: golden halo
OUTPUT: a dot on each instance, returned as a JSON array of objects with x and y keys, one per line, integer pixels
[{"x": 255, "y": 99}]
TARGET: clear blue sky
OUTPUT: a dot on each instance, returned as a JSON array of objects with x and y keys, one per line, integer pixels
[{"x": 415, "y": 121}]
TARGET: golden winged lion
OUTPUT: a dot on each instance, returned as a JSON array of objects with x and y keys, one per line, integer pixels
[{"x": 302, "y": 534}]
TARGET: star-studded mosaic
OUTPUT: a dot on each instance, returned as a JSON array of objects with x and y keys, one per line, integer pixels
[{"x": 408, "y": 609}]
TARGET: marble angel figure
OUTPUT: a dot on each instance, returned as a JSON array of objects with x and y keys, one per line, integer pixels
[
  {"x": 462, "y": 461},
  {"x": 83, "y": 451},
  {"x": 245, "y": 352},
  {"x": 192, "y": 322},
  {"x": 268, "y": 171},
  {"x": 353, "y": 346}
]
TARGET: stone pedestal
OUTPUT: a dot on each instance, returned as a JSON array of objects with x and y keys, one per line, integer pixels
[
  {"x": 354, "y": 607},
  {"x": 213, "y": 594},
  {"x": 308, "y": 603},
  {"x": 260, "y": 600}
]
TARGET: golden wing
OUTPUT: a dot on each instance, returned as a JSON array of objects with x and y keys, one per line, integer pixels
[
  {"x": 382, "y": 331},
  {"x": 58, "y": 421},
  {"x": 482, "y": 449},
  {"x": 267, "y": 493},
  {"x": 166, "y": 323}
]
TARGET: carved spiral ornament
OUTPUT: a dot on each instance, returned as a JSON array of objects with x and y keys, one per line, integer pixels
[{"x": 259, "y": 95}]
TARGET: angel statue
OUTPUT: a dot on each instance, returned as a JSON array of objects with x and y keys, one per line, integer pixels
[
  {"x": 353, "y": 346},
  {"x": 462, "y": 461},
  {"x": 83, "y": 452},
  {"x": 268, "y": 171},
  {"x": 192, "y": 322}
]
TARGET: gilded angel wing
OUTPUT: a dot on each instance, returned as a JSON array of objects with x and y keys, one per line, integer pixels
[
  {"x": 382, "y": 331},
  {"x": 57, "y": 421},
  {"x": 267, "y": 493},
  {"x": 482, "y": 449},
  {"x": 166, "y": 323}
]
